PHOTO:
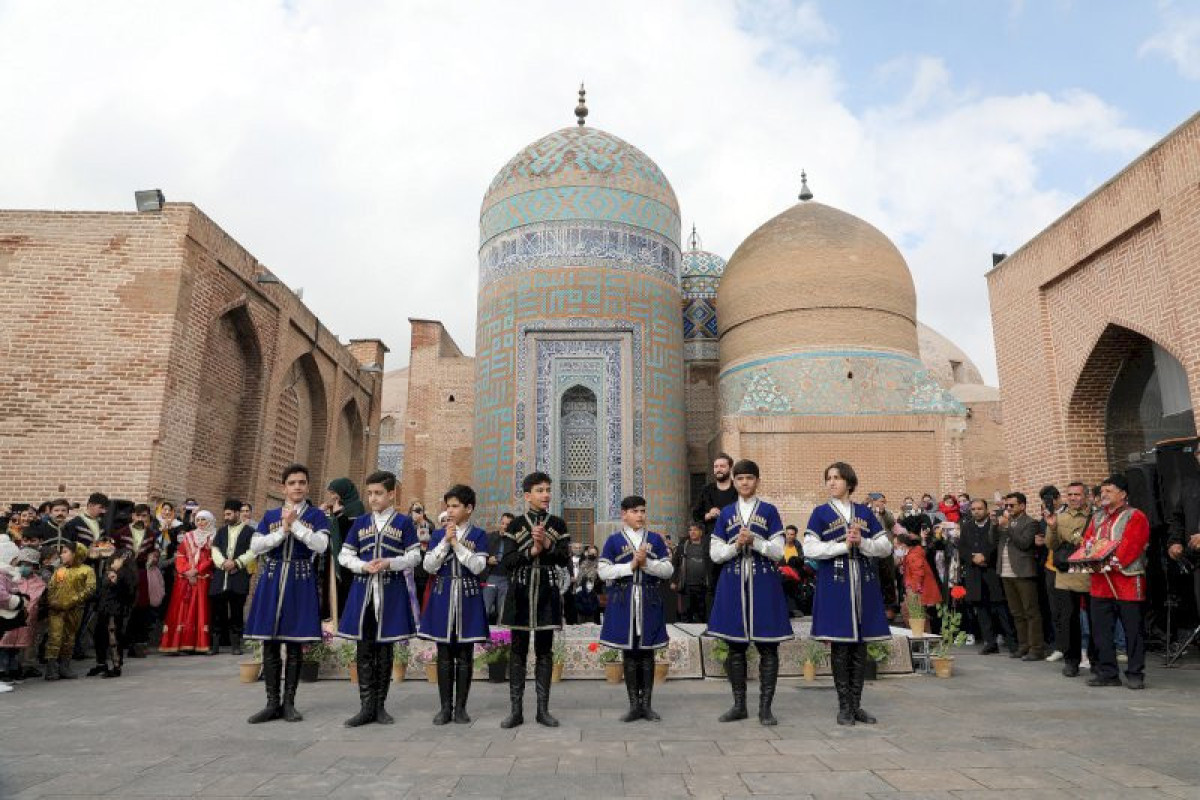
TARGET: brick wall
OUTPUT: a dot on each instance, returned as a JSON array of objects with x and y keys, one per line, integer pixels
[
  {"x": 1122, "y": 264},
  {"x": 147, "y": 362}
]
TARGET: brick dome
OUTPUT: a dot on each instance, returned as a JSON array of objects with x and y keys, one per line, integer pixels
[{"x": 816, "y": 278}]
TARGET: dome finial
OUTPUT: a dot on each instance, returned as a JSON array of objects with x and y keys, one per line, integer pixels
[
  {"x": 694, "y": 240},
  {"x": 581, "y": 110},
  {"x": 805, "y": 193}
]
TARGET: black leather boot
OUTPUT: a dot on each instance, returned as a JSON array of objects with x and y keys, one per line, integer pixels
[
  {"x": 365, "y": 660},
  {"x": 543, "y": 669},
  {"x": 736, "y": 665},
  {"x": 445, "y": 678},
  {"x": 516, "y": 693},
  {"x": 768, "y": 674},
  {"x": 462, "y": 688},
  {"x": 632, "y": 689},
  {"x": 858, "y": 674},
  {"x": 383, "y": 682},
  {"x": 291, "y": 680},
  {"x": 272, "y": 671},
  {"x": 646, "y": 686},
  {"x": 839, "y": 661},
  {"x": 235, "y": 642}
]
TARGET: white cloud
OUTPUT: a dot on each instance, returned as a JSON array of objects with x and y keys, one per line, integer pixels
[
  {"x": 348, "y": 145},
  {"x": 1178, "y": 41}
]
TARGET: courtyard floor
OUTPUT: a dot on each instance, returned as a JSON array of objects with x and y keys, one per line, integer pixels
[{"x": 175, "y": 727}]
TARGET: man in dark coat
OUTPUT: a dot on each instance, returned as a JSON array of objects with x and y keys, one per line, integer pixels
[
  {"x": 714, "y": 497},
  {"x": 1017, "y": 563},
  {"x": 985, "y": 594},
  {"x": 230, "y": 581}
]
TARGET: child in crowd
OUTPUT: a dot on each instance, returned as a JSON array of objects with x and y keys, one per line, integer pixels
[
  {"x": 14, "y": 643},
  {"x": 74, "y": 582}
]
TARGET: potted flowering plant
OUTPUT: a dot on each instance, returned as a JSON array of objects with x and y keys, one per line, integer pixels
[
  {"x": 494, "y": 654},
  {"x": 427, "y": 658},
  {"x": 813, "y": 654},
  {"x": 558, "y": 655},
  {"x": 611, "y": 659},
  {"x": 345, "y": 655},
  {"x": 877, "y": 653},
  {"x": 401, "y": 655},
  {"x": 952, "y": 636},
  {"x": 916, "y": 613},
  {"x": 250, "y": 668},
  {"x": 314, "y": 655}
]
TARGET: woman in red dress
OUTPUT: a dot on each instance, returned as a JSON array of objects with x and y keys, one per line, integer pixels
[{"x": 186, "y": 627}]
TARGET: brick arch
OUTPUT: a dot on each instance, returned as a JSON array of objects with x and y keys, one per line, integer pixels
[
  {"x": 301, "y": 421},
  {"x": 229, "y": 412},
  {"x": 346, "y": 460},
  {"x": 1102, "y": 416}
]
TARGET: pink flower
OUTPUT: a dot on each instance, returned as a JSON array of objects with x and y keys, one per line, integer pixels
[{"x": 594, "y": 646}]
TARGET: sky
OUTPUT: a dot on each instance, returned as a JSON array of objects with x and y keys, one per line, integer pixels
[{"x": 348, "y": 144}]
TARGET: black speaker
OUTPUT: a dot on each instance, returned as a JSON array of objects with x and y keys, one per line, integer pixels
[{"x": 1143, "y": 491}]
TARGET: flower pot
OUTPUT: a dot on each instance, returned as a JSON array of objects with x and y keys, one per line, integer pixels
[
  {"x": 871, "y": 671},
  {"x": 352, "y": 668},
  {"x": 309, "y": 671},
  {"x": 398, "y": 671},
  {"x": 660, "y": 672},
  {"x": 249, "y": 671},
  {"x": 431, "y": 672},
  {"x": 943, "y": 667},
  {"x": 556, "y": 673},
  {"x": 614, "y": 671},
  {"x": 917, "y": 626},
  {"x": 498, "y": 671},
  {"x": 810, "y": 671}
]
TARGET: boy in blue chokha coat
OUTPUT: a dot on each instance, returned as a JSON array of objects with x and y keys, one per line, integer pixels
[
  {"x": 284, "y": 611},
  {"x": 844, "y": 538},
  {"x": 455, "y": 617},
  {"x": 633, "y": 563},
  {"x": 749, "y": 604},
  {"x": 378, "y": 548}
]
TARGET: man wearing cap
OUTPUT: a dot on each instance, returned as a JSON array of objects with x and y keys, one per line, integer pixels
[{"x": 231, "y": 581}]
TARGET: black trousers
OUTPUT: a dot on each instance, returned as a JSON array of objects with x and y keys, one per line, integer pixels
[
  {"x": 1068, "y": 637},
  {"x": 695, "y": 603},
  {"x": 543, "y": 643},
  {"x": 138, "y": 629},
  {"x": 109, "y": 639},
  {"x": 228, "y": 614},
  {"x": 1104, "y": 614},
  {"x": 993, "y": 619}
]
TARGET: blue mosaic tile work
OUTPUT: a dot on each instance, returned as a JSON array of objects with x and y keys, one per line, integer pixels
[
  {"x": 834, "y": 383},
  {"x": 575, "y": 244},
  {"x": 556, "y": 203},
  {"x": 701, "y": 263},
  {"x": 582, "y": 153}
]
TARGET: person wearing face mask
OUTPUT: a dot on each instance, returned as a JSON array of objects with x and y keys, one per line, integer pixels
[
  {"x": 586, "y": 587},
  {"x": 913, "y": 519},
  {"x": 23, "y": 582}
]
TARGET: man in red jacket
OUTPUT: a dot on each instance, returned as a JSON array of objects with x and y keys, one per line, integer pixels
[{"x": 1119, "y": 586}]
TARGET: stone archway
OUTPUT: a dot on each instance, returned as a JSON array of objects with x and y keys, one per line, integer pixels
[
  {"x": 230, "y": 410},
  {"x": 1131, "y": 393},
  {"x": 347, "y": 457}
]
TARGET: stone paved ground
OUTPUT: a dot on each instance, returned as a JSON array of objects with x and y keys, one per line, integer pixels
[{"x": 176, "y": 727}]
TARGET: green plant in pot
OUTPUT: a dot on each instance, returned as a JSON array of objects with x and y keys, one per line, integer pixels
[
  {"x": 877, "y": 653},
  {"x": 952, "y": 636},
  {"x": 916, "y": 613}
]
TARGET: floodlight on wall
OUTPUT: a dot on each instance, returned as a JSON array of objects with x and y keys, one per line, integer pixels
[
  {"x": 266, "y": 278},
  {"x": 997, "y": 258},
  {"x": 149, "y": 200},
  {"x": 371, "y": 369}
]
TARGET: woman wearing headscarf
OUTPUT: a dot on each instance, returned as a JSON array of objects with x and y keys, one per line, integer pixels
[
  {"x": 343, "y": 506},
  {"x": 186, "y": 627}
]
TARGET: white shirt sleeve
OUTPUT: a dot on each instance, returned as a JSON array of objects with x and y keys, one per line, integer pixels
[
  {"x": 877, "y": 546},
  {"x": 435, "y": 557},
  {"x": 351, "y": 561},
  {"x": 265, "y": 542},
  {"x": 609, "y": 571},
  {"x": 407, "y": 561},
  {"x": 317, "y": 541},
  {"x": 771, "y": 548},
  {"x": 721, "y": 551},
  {"x": 475, "y": 562},
  {"x": 660, "y": 567},
  {"x": 815, "y": 548},
  {"x": 218, "y": 558}
]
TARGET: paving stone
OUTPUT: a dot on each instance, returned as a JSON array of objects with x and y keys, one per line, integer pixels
[{"x": 908, "y": 780}]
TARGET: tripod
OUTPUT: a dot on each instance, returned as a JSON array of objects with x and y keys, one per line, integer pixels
[{"x": 1171, "y": 603}]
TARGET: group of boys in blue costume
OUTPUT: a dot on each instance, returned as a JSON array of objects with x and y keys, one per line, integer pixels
[{"x": 748, "y": 607}]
